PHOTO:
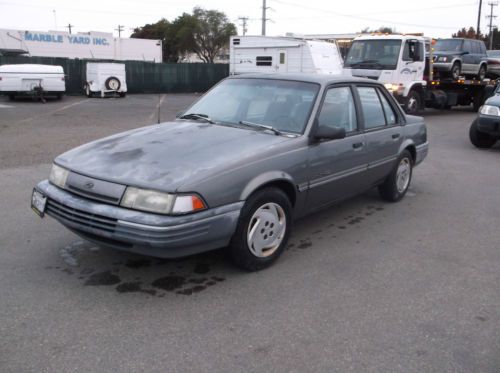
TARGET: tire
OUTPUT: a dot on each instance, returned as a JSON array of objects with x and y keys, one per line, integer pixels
[
  {"x": 413, "y": 103},
  {"x": 455, "y": 71},
  {"x": 12, "y": 97},
  {"x": 59, "y": 96},
  {"x": 264, "y": 213},
  {"x": 482, "y": 72},
  {"x": 480, "y": 139},
  {"x": 113, "y": 83},
  {"x": 123, "y": 94},
  {"x": 397, "y": 183},
  {"x": 87, "y": 90}
]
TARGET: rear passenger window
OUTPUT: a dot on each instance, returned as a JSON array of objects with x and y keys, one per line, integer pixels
[
  {"x": 390, "y": 116},
  {"x": 372, "y": 108},
  {"x": 476, "y": 49},
  {"x": 467, "y": 46},
  {"x": 338, "y": 110}
]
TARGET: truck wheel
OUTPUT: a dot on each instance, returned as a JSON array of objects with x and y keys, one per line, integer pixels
[
  {"x": 59, "y": 96},
  {"x": 482, "y": 72},
  {"x": 455, "y": 71},
  {"x": 12, "y": 97},
  {"x": 113, "y": 83},
  {"x": 397, "y": 183},
  {"x": 123, "y": 94},
  {"x": 412, "y": 105},
  {"x": 480, "y": 139},
  {"x": 263, "y": 230}
]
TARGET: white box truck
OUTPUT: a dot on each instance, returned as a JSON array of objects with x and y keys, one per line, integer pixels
[
  {"x": 256, "y": 54},
  {"x": 32, "y": 80},
  {"x": 103, "y": 78}
]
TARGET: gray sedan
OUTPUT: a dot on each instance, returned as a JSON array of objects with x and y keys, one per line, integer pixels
[{"x": 236, "y": 168}]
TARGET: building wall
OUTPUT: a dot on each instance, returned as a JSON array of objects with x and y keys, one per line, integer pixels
[{"x": 93, "y": 44}]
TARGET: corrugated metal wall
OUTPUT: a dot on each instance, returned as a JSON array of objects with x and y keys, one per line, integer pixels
[{"x": 142, "y": 77}]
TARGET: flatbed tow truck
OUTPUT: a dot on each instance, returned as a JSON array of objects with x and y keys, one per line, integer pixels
[{"x": 404, "y": 64}]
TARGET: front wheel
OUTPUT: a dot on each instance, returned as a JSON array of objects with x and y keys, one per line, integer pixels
[
  {"x": 397, "y": 183},
  {"x": 263, "y": 230},
  {"x": 455, "y": 71},
  {"x": 412, "y": 106},
  {"x": 480, "y": 139}
]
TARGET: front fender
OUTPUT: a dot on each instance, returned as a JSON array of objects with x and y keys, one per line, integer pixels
[{"x": 263, "y": 179}]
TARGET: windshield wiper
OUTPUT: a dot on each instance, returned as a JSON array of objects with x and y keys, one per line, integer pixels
[
  {"x": 276, "y": 131},
  {"x": 195, "y": 116},
  {"x": 366, "y": 63}
]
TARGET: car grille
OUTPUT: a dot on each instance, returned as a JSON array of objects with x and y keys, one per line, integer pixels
[{"x": 80, "y": 217}]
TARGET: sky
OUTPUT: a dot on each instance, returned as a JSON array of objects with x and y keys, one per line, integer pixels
[{"x": 433, "y": 18}]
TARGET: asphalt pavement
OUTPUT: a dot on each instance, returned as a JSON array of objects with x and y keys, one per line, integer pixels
[{"x": 365, "y": 286}]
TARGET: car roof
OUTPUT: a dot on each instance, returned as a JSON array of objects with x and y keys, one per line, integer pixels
[{"x": 323, "y": 79}]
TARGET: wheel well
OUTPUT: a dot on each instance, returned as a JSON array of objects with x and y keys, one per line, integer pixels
[
  {"x": 285, "y": 186},
  {"x": 413, "y": 152}
]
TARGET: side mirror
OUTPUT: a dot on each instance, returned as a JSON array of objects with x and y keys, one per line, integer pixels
[{"x": 329, "y": 133}]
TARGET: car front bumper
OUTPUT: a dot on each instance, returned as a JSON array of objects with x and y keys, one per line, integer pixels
[
  {"x": 141, "y": 232},
  {"x": 489, "y": 124}
]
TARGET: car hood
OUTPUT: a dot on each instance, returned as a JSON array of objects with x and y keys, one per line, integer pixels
[
  {"x": 165, "y": 156},
  {"x": 493, "y": 100}
]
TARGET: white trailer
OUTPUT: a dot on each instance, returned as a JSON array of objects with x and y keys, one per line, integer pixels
[
  {"x": 33, "y": 80},
  {"x": 105, "y": 78},
  {"x": 256, "y": 54}
]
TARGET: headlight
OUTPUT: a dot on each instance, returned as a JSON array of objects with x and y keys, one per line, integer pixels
[
  {"x": 161, "y": 203},
  {"x": 443, "y": 59},
  {"x": 58, "y": 176},
  {"x": 395, "y": 88},
  {"x": 490, "y": 110}
]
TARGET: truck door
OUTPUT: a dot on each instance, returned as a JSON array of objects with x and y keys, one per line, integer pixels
[
  {"x": 282, "y": 61},
  {"x": 413, "y": 60}
]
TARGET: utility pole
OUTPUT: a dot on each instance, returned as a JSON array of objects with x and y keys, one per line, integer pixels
[
  {"x": 119, "y": 29},
  {"x": 491, "y": 16},
  {"x": 478, "y": 30},
  {"x": 69, "y": 27},
  {"x": 264, "y": 19},
  {"x": 244, "y": 21}
]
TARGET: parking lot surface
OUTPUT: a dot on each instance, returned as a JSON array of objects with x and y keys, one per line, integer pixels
[{"x": 365, "y": 286}]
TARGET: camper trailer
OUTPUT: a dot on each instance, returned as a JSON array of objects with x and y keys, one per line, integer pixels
[
  {"x": 105, "y": 78},
  {"x": 257, "y": 54},
  {"x": 33, "y": 80}
]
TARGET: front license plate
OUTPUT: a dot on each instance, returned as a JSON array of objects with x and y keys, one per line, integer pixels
[{"x": 38, "y": 202}]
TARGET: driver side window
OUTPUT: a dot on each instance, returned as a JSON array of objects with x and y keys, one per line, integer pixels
[{"x": 338, "y": 110}]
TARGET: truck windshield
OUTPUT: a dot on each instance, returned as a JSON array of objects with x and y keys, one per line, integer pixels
[
  {"x": 284, "y": 105},
  {"x": 373, "y": 54},
  {"x": 448, "y": 45}
]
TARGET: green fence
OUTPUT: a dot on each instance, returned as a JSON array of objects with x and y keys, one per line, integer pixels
[{"x": 142, "y": 77}]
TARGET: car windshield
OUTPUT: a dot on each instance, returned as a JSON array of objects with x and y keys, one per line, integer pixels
[
  {"x": 373, "y": 54},
  {"x": 282, "y": 104},
  {"x": 448, "y": 45}
]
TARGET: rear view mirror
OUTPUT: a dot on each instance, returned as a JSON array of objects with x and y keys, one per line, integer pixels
[
  {"x": 414, "y": 50},
  {"x": 329, "y": 133}
]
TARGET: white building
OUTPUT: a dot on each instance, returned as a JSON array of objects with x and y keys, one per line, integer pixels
[{"x": 90, "y": 45}]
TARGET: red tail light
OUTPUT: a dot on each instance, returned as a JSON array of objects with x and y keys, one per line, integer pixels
[{"x": 493, "y": 62}]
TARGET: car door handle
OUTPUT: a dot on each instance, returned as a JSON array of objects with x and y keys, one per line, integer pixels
[
  {"x": 357, "y": 145},
  {"x": 395, "y": 136}
]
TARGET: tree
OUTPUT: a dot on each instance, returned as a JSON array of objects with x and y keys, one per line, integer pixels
[
  {"x": 381, "y": 29},
  {"x": 469, "y": 33},
  {"x": 211, "y": 34},
  {"x": 205, "y": 33}
]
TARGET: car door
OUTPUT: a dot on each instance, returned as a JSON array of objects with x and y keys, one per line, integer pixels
[
  {"x": 383, "y": 131},
  {"x": 336, "y": 167}
]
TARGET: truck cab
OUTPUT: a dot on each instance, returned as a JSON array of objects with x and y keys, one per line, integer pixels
[{"x": 398, "y": 61}]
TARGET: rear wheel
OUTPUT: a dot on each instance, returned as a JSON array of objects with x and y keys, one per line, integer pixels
[
  {"x": 480, "y": 139},
  {"x": 482, "y": 72},
  {"x": 397, "y": 183},
  {"x": 88, "y": 92},
  {"x": 263, "y": 230}
]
